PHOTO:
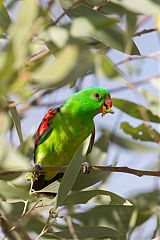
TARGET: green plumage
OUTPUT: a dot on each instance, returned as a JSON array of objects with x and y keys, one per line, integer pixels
[{"x": 69, "y": 127}]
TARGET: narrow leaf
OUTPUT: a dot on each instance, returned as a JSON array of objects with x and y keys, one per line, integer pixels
[
  {"x": 143, "y": 6},
  {"x": 115, "y": 216},
  {"x": 4, "y": 17},
  {"x": 22, "y": 27},
  {"x": 143, "y": 132},
  {"x": 104, "y": 31},
  {"x": 69, "y": 64},
  {"x": 11, "y": 192},
  {"x": 105, "y": 67},
  {"x": 70, "y": 176},
  {"x": 84, "y": 196},
  {"x": 135, "y": 110},
  {"x": 17, "y": 123},
  {"x": 89, "y": 232}
]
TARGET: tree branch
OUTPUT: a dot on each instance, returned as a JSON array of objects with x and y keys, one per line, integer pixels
[
  {"x": 136, "y": 83},
  {"x": 144, "y": 31},
  {"x": 125, "y": 169}
]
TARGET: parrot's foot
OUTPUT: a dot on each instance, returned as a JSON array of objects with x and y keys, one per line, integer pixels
[
  {"x": 37, "y": 168},
  {"x": 85, "y": 167}
]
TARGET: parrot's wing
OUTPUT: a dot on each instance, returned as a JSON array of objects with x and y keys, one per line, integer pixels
[
  {"x": 44, "y": 128},
  {"x": 91, "y": 142}
]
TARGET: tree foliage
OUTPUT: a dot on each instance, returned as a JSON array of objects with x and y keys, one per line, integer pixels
[{"x": 41, "y": 50}]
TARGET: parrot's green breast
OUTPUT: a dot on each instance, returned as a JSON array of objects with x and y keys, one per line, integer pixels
[{"x": 66, "y": 136}]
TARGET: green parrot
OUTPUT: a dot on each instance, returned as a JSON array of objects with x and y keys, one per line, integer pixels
[{"x": 64, "y": 129}]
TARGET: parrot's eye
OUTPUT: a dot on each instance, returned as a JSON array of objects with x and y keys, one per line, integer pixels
[{"x": 97, "y": 96}]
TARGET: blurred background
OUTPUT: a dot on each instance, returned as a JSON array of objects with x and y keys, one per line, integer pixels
[{"x": 131, "y": 77}]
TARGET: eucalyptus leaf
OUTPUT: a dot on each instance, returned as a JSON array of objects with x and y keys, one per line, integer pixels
[
  {"x": 112, "y": 8},
  {"x": 17, "y": 123},
  {"x": 70, "y": 176},
  {"x": 69, "y": 64},
  {"x": 114, "y": 216},
  {"x": 153, "y": 100},
  {"x": 135, "y": 110},
  {"x": 10, "y": 159},
  {"x": 102, "y": 31},
  {"x": 51, "y": 188},
  {"x": 146, "y": 205},
  {"x": 4, "y": 17},
  {"x": 123, "y": 142},
  {"x": 97, "y": 156},
  {"x": 22, "y": 27},
  {"x": 83, "y": 197},
  {"x": 142, "y": 132},
  {"x": 143, "y": 6},
  {"x": 9, "y": 192},
  {"x": 89, "y": 232},
  {"x": 105, "y": 68}
]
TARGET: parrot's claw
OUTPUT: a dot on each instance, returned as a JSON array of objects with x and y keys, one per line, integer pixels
[
  {"x": 37, "y": 167},
  {"x": 85, "y": 167}
]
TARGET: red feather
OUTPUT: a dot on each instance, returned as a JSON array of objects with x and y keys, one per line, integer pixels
[{"x": 44, "y": 126}]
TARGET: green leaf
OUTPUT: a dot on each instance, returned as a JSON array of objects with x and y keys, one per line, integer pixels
[
  {"x": 105, "y": 67},
  {"x": 17, "y": 123},
  {"x": 10, "y": 159},
  {"x": 51, "y": 188},
  {"x": 22, "y": 27},
  {"x": 124, "y": 142},
  {"x": 103, "y": 31},
  {"x": 143, "y": 132},
  {"x": 4, "y": 17},
  {"x": 143, "y": 6},
  {"x": 89, "y": 23},
  {"x": 89, "y": 232},
  {"x": 97, "y": 156},
  {"x": 135, "y": 110},
  {"x": 114, "y": 216},
  {"x": 8, "y": 75},
  {"x": 70, "y": 176},
  {"x": 9, "y": 192},
  {"x": 131, "y": 19},
  {"x": 112, "y": 8},
  {"x": 84, "y": 196},
  {"x": 58, "y": 35},
  {"x": 146, "y": 205},
  {"x": 153, "y": 100},
  {"x": 69, "y": 64}
]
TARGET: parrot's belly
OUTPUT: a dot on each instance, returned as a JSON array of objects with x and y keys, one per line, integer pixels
[{"x": 59, "y": 148}]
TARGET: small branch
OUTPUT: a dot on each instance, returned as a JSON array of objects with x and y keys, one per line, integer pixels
[
  {"x": 132, "y": 58},
  {"x": 77, "y": 2},
  {"x": 71, "y": 228},
  {"x": 144, "y": 31},
  {"x": 137, "y": 83},
  {"x": 38, "y": 56},
  {"x": 125, "y": 169}
]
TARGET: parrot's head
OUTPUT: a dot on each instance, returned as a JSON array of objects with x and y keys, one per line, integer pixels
[{"x": 92, "y": 101}]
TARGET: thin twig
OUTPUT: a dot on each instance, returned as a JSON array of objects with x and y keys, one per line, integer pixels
[
  {"x": 132, "y": 58},
  {"x": 144, "y": 31},
  {"x": 71, "y": 228},
  {"x": 77, "y": 2},
  {"x": 125, "y": 169},
  {"x": 38, "y": 56},
  {"x": 137, "y": 83}
]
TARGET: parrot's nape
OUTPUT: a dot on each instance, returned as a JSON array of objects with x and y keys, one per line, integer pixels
[{"x": 64, "y": 129}]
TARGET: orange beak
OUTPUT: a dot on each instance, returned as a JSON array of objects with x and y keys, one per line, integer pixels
[{"x": 107, "y": 106}]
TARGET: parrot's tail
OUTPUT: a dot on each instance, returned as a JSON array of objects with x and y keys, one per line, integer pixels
[{"x": 41, "y": 182}]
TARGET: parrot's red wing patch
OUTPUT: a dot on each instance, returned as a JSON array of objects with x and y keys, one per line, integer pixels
[{"x": 44, "y": 126}]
